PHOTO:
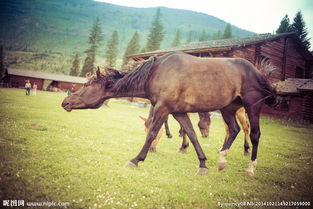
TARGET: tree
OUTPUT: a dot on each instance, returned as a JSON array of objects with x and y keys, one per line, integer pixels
[
  {"x": 217, "y": 36},
  {"x": 111, "y": 53},
  {"x": 133, "y": 47},
  {"x": 190, "y": 37},
  {"x": 298, "y": 26},
  {"x": 94, "y": 40},
  {"x": 156, "y": 33},
  {"x": 75, "y": 66},
  {"x": 2, "y": 67},
  {"x": 227, "y": 32},
  {"x": 284, "y": 26},
  {"x": 176, "y": 40},
  {"x": 202, "y": 36}
]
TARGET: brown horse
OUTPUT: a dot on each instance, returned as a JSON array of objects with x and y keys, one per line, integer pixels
[
  {"x": 148, "y": 122},
  {"x": 177, "y": 83}
]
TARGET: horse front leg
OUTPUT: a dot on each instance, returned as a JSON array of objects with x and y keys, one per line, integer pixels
[
  {"x": 204, "y": 123},
  {"x": 167, "y": 129},
  {"x": 185, "y": 143},
  {"x": 159, "y": 116},
  {"x": 185, "y": 122}
]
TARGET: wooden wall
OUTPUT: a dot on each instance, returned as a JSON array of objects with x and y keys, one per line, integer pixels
[
  {"x": 65, "y": 86},
  {"x": 294, "y": 111},
  {"x": 282, "y": 53}
]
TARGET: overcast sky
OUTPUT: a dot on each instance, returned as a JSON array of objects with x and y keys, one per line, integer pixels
[{"x": 260, "y": 16}]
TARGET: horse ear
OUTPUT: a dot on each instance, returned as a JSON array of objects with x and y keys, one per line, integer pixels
[
  {"x": 88, "y": 75},
  {"x": 98, "y": 72},
  {"x": 144, "y": 119}
]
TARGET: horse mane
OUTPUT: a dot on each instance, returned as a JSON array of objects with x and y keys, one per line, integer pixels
[
  {"x": 135, "y": 80},
  {"x": 265, "y": 66}
]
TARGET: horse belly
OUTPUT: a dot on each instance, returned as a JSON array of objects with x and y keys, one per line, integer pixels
[
  {"x": 194, "y": 99},
  {"x": 206, "y": 87}
]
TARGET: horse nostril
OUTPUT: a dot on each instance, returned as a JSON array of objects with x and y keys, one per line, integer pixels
[{"x": 65, "y": 103}]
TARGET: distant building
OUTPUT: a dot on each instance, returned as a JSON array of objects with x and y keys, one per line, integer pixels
[
  {"x": 15, "y": 78},
  {"x": 285, "y": 51}
]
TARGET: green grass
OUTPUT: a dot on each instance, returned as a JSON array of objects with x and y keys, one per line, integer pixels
[{"x": 48, "y": 154}]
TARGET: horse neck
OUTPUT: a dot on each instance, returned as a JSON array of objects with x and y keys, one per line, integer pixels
[
  {"x": 122, "y": 88},
  {"x": 131, "y": 93}
]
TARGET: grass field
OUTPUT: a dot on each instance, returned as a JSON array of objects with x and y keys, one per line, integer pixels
[{"x": 48, "y": 154}]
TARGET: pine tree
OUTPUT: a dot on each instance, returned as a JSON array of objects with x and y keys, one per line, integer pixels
[
  {"x": 284, "y": 26},
  {"x": 217, "y": 36},
  {"x": 75, "y": 66},
  {"x": 176, "y": 41},
  {"x": 111, "y": 52},
  {"x": 2, "y": 67},
  {"x": 133, "y": 47},
  {"x": 94, "y": 40},
  {"x": 227, "y": 32},
  {"x": 298, "y": 26},
  {"x": 190, "y": 37},
  {"x": 156, "y": 33},
  {"x": 202, "y": 36}
]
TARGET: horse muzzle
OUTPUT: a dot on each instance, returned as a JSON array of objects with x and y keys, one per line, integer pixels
[{"x": 67, "y": 105}]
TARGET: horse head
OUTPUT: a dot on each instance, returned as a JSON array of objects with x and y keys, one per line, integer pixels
[{"x": 94, "y": 92}]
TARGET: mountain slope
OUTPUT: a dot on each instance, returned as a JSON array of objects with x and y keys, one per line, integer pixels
[{"x": 63, "y": 25}]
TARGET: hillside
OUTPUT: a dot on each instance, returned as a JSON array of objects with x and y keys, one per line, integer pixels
[{"x": 61, "y": 27}]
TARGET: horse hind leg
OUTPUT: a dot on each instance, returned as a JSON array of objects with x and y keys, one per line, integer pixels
[
  {"x": 254, "y": 118},
  {"x": 229, "y": 116},
  {"x": 241, "y": 115}
]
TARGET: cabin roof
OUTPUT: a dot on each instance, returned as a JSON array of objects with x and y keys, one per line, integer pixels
[
  {"x": 308, "y": 86},
  {"x": 294, "y": 86},
  {"x": 220, "y": 45},
  {"x": 46, "y": 76}
]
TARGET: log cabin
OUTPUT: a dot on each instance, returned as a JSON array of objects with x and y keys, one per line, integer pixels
[
  {"x": 293, "y": 63},
  {"x": 16, "y": 78}
]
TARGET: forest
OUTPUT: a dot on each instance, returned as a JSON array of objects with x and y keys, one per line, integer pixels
[{"x": 46, "y": 35}]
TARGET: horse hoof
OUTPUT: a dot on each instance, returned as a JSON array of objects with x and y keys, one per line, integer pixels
[
  {"x": 169, "y": 136},
  {"x": 222, "y": 165},
  {"x": 246, "y": 153},
  {"x": 183, "y": 151},
  {"x": 202, "y": 171},
  {"x": 130, "y": 164},
  {"x": 249, "y": 173},
  {"x": 152, "y": 150}
]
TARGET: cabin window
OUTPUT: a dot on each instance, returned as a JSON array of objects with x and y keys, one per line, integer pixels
[{"x": 299, "y": 72}]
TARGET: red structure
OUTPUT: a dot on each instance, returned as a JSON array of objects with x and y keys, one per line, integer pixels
[{"x": 15, "y": 78}]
